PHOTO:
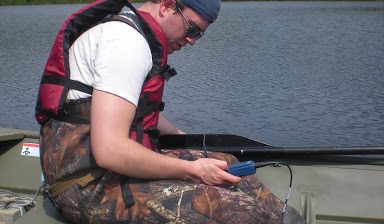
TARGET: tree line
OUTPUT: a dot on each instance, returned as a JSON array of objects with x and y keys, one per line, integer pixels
[
  {"x": 37, "y": 2},
  {"x": 33, "y": 2}
]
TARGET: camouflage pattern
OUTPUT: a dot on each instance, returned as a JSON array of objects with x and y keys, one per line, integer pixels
[
  {"x": 65, "y": 150},
  {"x": 65, "y": 146}
]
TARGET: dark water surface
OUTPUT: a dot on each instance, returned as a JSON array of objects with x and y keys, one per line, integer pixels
[{"x": 286, "y": 73}]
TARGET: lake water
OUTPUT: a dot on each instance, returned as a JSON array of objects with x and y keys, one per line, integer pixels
[{"x": 285, "y": 73}]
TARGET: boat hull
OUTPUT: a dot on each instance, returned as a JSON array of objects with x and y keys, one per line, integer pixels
[{"x": 326, "y": 190}]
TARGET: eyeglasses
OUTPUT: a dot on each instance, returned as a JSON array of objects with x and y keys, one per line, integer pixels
[{"x": 191, "y": 31}]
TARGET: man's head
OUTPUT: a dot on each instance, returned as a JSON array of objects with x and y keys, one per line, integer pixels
[
  {"x": 208, "y": 9},
  {"x": 184, "y": 21}
]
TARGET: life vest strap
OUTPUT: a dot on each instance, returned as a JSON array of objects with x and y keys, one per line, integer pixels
[
  {"x": 149, "y": 107},
  {"x": 69, "y": 83},
  {"x": 165, "y": 71},
  {"x": 154, "y": 134}
]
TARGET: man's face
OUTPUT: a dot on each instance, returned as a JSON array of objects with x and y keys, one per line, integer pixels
[{"x": 175, "y": 26}]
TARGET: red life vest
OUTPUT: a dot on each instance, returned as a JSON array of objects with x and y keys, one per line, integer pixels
[{"x": 56, "y": 81}]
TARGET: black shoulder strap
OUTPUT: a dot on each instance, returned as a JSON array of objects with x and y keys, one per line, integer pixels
[{"x": 126, "y": 18}]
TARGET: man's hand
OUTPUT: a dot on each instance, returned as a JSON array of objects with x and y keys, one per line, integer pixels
[{"x": 213, "y": 172}]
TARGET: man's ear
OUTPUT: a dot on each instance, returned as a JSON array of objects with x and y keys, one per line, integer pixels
[{"x": 166, "y": 5}]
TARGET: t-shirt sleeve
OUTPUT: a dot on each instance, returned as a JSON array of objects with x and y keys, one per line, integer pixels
[{"x": 122, "y": 61}]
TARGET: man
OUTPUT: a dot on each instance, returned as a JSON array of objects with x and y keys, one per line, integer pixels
[{"x": 98, "y": 151}]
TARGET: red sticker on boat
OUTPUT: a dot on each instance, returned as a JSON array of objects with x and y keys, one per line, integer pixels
[{"x": 30, "y": 149}]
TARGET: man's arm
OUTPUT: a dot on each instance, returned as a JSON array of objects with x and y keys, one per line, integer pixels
[
  {"x": 111, "y": 117},
  {"x": 167, "y": 128}
]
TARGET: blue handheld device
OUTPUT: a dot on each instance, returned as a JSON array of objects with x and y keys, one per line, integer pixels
[{"x": 242, "y": 169}]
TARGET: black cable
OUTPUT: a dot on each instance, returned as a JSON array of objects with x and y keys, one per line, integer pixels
[
  {"x": 288, "y": 194},
  {"x": 276, "y": 164}
]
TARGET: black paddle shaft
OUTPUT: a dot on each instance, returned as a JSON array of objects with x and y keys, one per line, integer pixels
[{"x": 242, "y": 147}]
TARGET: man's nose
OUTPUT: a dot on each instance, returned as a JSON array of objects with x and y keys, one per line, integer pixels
[{"x": 191, "y": 40}]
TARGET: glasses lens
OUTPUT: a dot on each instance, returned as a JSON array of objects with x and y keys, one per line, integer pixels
[{"x": 194, "y": 32}]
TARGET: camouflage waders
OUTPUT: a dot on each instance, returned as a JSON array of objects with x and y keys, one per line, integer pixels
[{"x": 113, "y": 198}]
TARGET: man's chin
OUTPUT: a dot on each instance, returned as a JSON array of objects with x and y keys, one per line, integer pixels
[{"x": 172, "y": 50}]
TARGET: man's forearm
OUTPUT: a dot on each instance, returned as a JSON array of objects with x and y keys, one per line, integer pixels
[{"x": 166, "y": 127}]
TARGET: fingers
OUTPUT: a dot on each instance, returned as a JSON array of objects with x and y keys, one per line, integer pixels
[
  {"x": 231, "y": 178},
  {"x": 213, "y": 172},
  {"x": 227, "y": 176},
  {"x": 221, "y": 164}
]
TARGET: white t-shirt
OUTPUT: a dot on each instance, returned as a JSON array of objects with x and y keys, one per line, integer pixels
[{"x": 112, "y": 57}]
